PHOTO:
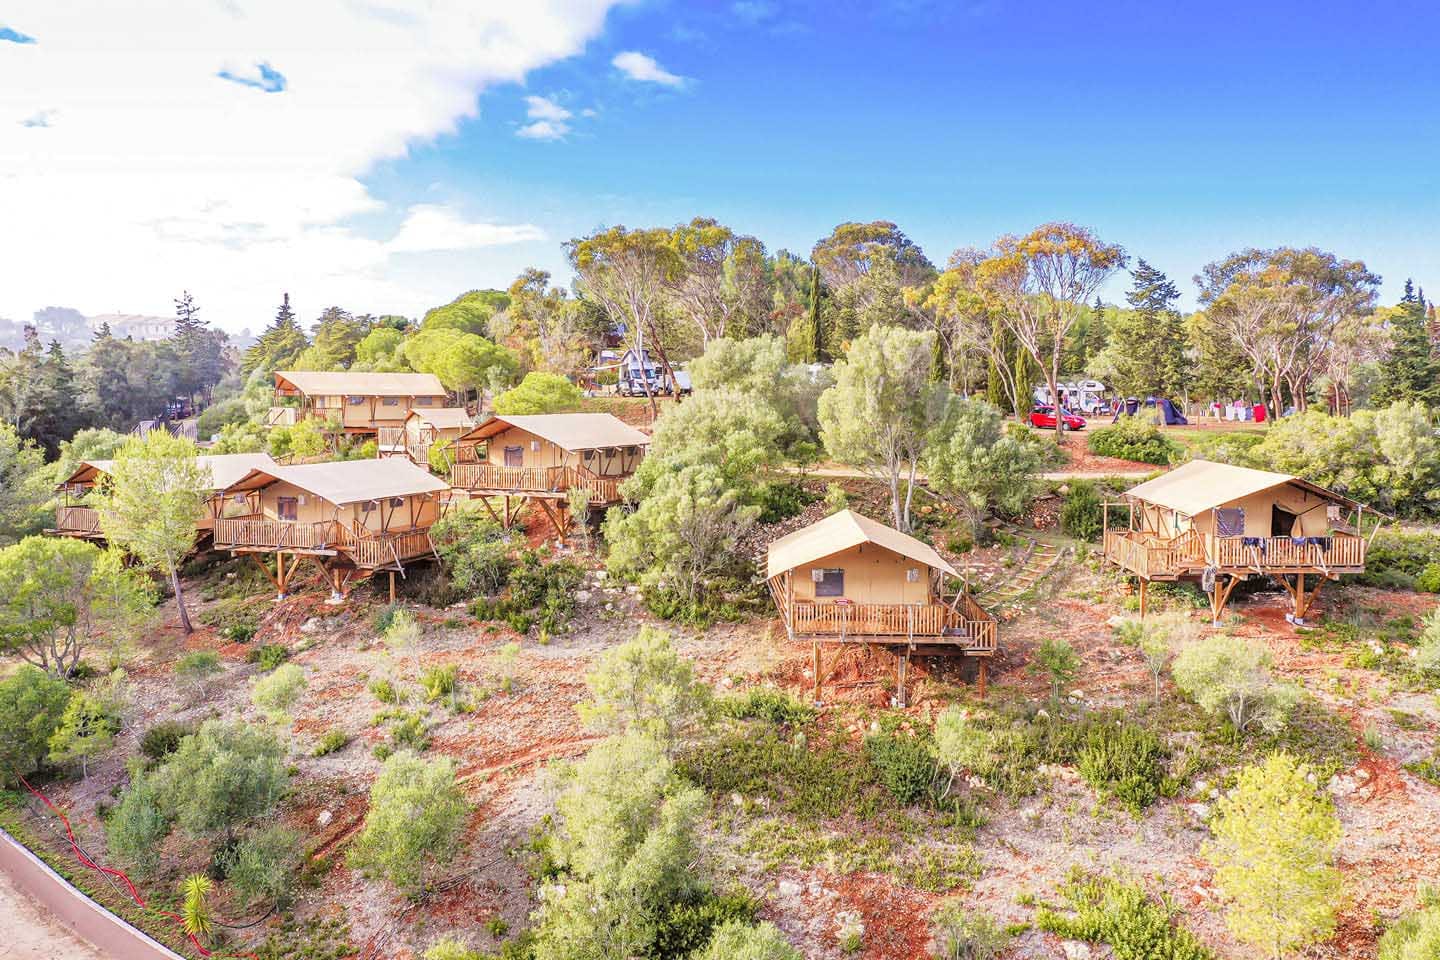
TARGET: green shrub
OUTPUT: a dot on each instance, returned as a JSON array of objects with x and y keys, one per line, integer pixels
[
  {"x": 1082, "y": 516},
  {"x": 1396, "y": 558},
  {"x": 1428, "y": 580},
  {"x": 164, "y": 738},
  {"x": 686, "y": 927},
  {"x": 1230, "y": 678},
  {"x": 905, "y": 764},
  {"x": 262, "y": 866},
  {"x": 332, "y": 741},
  {"x": 32, "y": 704},
  {"x": 385, "y": 691},
  {"x": 474, "y": 550},
  {"x": 1125, "y": 762},
  {"x": 766, "y": 703},
  {"x": 194, "y": 670},
  {"x": 1415, "y": 936},
  {"x": 410, "y": 732},
  {"x": 383, "y": 619},
  {"x": 1135, "y": 438},
  {"x": 1120, "y": 914},
  {"x": 270, "y": 656},
  {"x": 962, "y": 935},
  {"x": 439, "y": 681},
  {"x": 780, "y": 501}
]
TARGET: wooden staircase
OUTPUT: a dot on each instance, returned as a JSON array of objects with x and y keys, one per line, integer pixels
[{"x": 1039, "y": 559}]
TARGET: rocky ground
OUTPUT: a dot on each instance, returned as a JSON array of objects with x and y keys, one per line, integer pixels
[{"x": 1391, "y": 818}]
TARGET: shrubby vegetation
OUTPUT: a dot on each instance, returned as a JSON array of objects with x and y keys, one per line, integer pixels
[
  {"x": 1230, "y": 678},
  {"x": 1414, "y": 936},
  {"x": 32, "y": 706},
  {"x": 644, "y": 685},
  {"x": 414, "y": 822},
  {"x": 1274, "y": 856},
  {"x": 1119, "y": 913},
  {"x": 539, "y": 393},
  {"x": 1135, "y": 438}
]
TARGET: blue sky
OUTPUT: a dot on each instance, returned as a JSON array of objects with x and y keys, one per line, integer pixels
[
  {"x": 1180, "y": 134},
  {"x": 386, "y": 156}
]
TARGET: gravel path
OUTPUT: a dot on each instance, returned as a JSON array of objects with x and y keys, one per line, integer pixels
[{"x": 32, "y": 934}]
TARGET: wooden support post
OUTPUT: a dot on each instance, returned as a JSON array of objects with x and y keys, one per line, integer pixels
[
  {"x": 280, "y": 575},
  {"x": 268, "y": 575},
  {"x": 490, "y": 509},
  {"x": 1143, "y": 584},
  {"x": 984, "y": 663},
  {"x": 392, "y": 586},
  {"x": 902, "y": 678},
  {"x": 815, "y": 657}
]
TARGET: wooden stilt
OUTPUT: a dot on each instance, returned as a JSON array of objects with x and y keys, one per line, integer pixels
[
  {"x": 268, "y": 575},
  {"x": 984, "y": 664},
  {"x": 392, "y": 586},
  {"x": 1143, "y": 584},
  {"x": 815, "y": 657},
  {"x": 280, "y": 575},
  {"x": 550, "y": 515},
  {"x": 902, "y": 677},
  {"x": 490, "y": 509}
]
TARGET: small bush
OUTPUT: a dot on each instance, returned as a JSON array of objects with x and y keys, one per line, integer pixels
[
  {"x": 269, "y": 656},
  {"x": 410, "y": 732},
  {"x": 906, "y": 767},
  {"x": 1121, "y": 915},
  {"x": 439, "y": 681},
  {"x": 766, "y": 703},
  {"x": 1428, "y": 580},
  {"x": 780, "y": 501},
  {"x": 1397, "y": 558},
  {"x": 262, "y": 866},
  {"x": 1135, "y": 438},
  {"x": 194, "y": 670},
  {"x": 1125, "y": 762},
  {"x": 686, "y": 927},
  {"x": 332, "y": 741},
  {"x": 1415, "y": 936},
  {"x": 962, "y": 935},
  {"x": 164, "y": 738},
  {"x": 1229, "y": 677},
  {"x": 1082, "y": 515},
  {"x": 385, "y": 691}
]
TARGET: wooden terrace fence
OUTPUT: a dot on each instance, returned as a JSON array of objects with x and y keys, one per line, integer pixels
[
  {"x": 924, "y": 622},
  {"x": 1189, "y": 553},
  {"x": 520, "y": 480},
  {"x": 77, "y": 520},
  {"x": 365, "y": 548}
]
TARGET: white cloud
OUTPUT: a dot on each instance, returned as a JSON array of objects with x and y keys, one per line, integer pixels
[
  {"x": 544, "y": 130},
  {"x": 430, "y": 227},
  {"x": 221, "y": 147},
  {"x": 638, "y": 66},
  {"x": 544, "y": 108},
  {"x": 547, "y": 120}
]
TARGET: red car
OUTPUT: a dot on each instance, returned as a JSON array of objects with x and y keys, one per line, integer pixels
[{"x": 1044, "y": 418}]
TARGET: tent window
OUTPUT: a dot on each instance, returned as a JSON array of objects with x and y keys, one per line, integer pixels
[
  {"x": 355, "y": 401},
  {"x": 285, "y": 508},
  {"x": 589, "y": 454},
  {"x": 610, "y": 454},
  {"x": 369, "y": 506},
  {"x": 1230, "y": 522},
  {"x": 830, "y": 582},
  {"x": 424, "y": 401},
  {"x": 391, "y": 401},
  {"x": 397, "y": 501},
  {"x": 912, "y": 575}
]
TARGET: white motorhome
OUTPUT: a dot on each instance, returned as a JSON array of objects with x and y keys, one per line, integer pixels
[{"x": 1080, "y": 396}]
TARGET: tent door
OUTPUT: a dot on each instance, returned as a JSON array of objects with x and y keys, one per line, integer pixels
[{"x": 1282, "y": 521}]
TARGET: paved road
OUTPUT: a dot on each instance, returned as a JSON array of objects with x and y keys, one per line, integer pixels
[{"x": 31, "y": 934}]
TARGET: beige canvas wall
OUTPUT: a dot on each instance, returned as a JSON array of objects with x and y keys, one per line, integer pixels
[
  {"x": 872, "y": 575},
  {"x": 1313, "y": 520}
]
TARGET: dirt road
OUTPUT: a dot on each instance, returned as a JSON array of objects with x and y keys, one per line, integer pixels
[{"x": 32, "y": 934}]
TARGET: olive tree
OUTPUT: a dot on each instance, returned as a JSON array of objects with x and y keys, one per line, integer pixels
[
  {"x": 644, "y": 685},
  {"x": 221, "y": 776},
  {"x": 138, "y": 824},
  {"x": 86, "y": 730},
  {"x": 150, "y": 502},
  {"x": 416, "y": 815},
  {"x": 32, "y": 704},
  {"x": 1230, "y": 677},
  {"x": 1274, "y": 855},
  {"x": 978, "y": 464},
  {"x": 877, "y": 417},
  {"x": 57, "y": 593},
  {"x": 624, "y": 843}
]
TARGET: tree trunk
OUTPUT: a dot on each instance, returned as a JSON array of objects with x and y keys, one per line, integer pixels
[{"x": 180, "y": 601}]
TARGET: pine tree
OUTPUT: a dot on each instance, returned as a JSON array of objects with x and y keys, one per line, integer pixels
[
  {"x": 199, "y": 351},
  {"x": 49, "y": 407},
  {"x": 281, "y": 343},
  {"x": 1149, "y": 340},
  {"x": 1411, "y": 371}
]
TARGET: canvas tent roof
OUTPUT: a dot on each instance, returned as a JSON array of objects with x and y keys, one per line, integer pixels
[
  {"x": 841, "y": 531},
  {"x": 225, "y": 468},
  {"x": 569, "y": 431},
  {"x": 331, "y": 383},
  {"x": 1202, "y": 485},
  {"x": 445, "y": 418},
  {"x": 348, "y": 481}
]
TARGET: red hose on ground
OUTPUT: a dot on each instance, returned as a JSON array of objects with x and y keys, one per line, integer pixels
[{"x": 120, "y": 875}]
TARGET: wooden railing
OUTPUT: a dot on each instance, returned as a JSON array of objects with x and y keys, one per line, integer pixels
[
  {"x": 489, "y": 476},
  {"x": 379, "y": 549},
  {"x": 1343, "y": 551},
  {"x": 281, "y": 416},
  {"x": 1148, "y": 557},
  {"x": 275, "y": 534},
  {"x": 72, "y": 519},
  {"x": 390, "y": 438},
  {"x": 980, "y": 624},
  {"x": 923, "y": 622}
]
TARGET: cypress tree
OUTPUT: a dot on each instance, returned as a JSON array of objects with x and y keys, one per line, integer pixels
[
  {"x": 1411, "y": 370},
  {"x": 817, "y": 325}
]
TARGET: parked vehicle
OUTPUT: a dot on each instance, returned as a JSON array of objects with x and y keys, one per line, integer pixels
[{"x": 1044, "y": 418}]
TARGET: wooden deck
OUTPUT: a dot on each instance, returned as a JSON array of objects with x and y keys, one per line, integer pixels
[
  {"x": 75, "y": 521},
  {"x": 323, "y": 538},
  {"x": 967, "y": 628},
  {"x": 488, "y": 479},
  {"x": 1190, "y": 555}
]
